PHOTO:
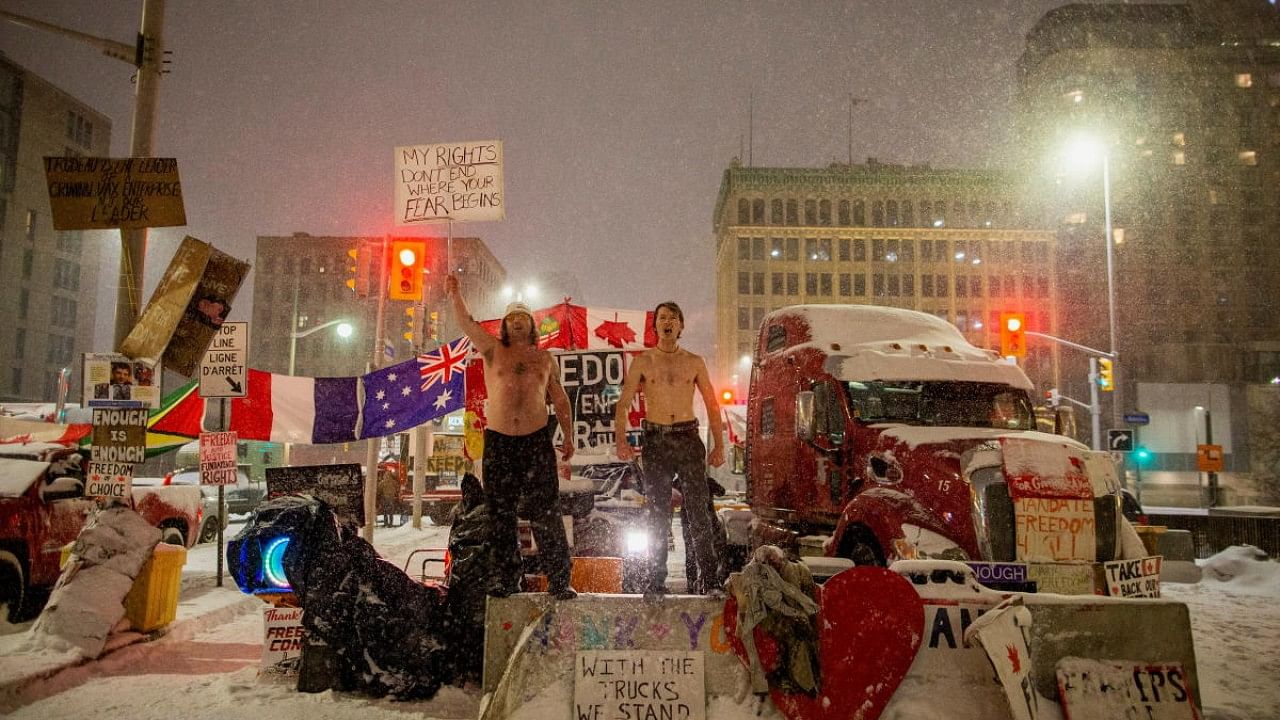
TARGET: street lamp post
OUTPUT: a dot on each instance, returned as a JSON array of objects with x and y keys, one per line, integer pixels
[{"x": 344, "y": 330}]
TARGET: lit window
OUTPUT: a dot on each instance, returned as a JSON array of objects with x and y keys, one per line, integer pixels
[
  {"x": 1248, "y": 157},
  {"x": 1180, "y": 139},
  {"x": 1244, "y": 80},
  {"x": 1179, "y": 157},
  {"x": 1075, "y": 96}
]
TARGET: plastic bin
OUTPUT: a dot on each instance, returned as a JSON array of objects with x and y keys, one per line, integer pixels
[
  {"x": 597, "y": 574},
  {"x": 152, "y": 602}
]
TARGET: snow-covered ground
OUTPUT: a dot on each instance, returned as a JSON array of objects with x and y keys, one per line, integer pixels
[{"x": 207, "y": 666}]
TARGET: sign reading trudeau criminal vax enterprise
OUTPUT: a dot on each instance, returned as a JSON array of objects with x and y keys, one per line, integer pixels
[
  {"x": 222, "y": 371},
  {"x": 101, "y": 193}
]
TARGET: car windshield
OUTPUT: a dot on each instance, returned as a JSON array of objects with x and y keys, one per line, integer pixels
[{"x": 941, "y": 404}]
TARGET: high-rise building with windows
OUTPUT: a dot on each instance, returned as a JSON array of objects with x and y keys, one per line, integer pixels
[
  {"x": 945, "y": 242},
  {"x": 1183, "y": 101},
  {"x": 300, "y": 296},
  {"x": 49, "y": 277}
]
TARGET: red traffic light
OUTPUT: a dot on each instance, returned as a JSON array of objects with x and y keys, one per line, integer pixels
[
  {"x": 726, "y": 397},
  {"x": 407, "y": 257},
  {"x": 1012, "y": 341}
]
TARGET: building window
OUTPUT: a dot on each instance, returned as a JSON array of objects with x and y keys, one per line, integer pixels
[
  {"x": 793, "y": 212},
  {"x": 846, "y": 285},
  {"x": 1028, "y": 286},
  {"x": 64, "y": 312},
  {"x": 776, "y": 248},
  {"x": 908, "y": 215},
  {"x": 824, "y": 212},
  {"x": 877, "y": 250},
  {"x": 907, "y": 252},
  {"x": 891, "y": 251},
  {"x": 757, "y": 211},
  {"x": 793, "y": 283},
  {"x": 926, "y": 286},
  {"x": 877, "y": 284},
  {"x": 66, "y": 275},
  {"x": 817, "y": 249},
  {"x": 757, "y": 317},
  {"x": 20, "y": 343},
  {"x": 975, "y": 286},
  {"x": 1179, "y": 157},
  {"x": 893, "y": 285},
  {"x": 30, "y": 227},
  {"x": 908, "y": 285},
  {"x": 1244, "y": 80},
  {"x": 810, "y": 212},
  {"x": 79, "y": 129},
  {"x": 859, "y": 250},
  {"x": 1010, "y": 286},
  {"x": 877, "y": 214},
  {"x": 842, "y": 213},
  {"x": 859, "y": 213},
  {"x": 757, "y": 248},
  {"x": 744, "y": 318},
  {"x": 891, "y": 213},
  {"x": 70, "y": 241},
  {"x": 775, "y": 284},
  {"x": 940, "y": 285},
  {"x": 24, "y": 303},
  {"x": 15, "y": 375},
  {"x": 860, "y": 285},
  {"x": 28, "y": 260},
  {"x": 744, "y": 212},
  {"x": 1248, "y": 157},
  {"x": 744, "y": 248},
  {"x": 994, "y": 284},
  {"x": 744, "y": 283},
  {"x": 926, "y": 250},
  {"x": 811, "y": 283},
  {"x": 843, "y": 245},
  {"x": 757, "y": 283},
  {"x": 824, "y": 284},
  {"x": 1042, "y": 286},
  {"x": 793, "y": 249},
  {"x": 775, "y": 212}
]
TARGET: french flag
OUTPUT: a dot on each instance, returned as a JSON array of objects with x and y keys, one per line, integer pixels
[{"x": 284, "y": 408}]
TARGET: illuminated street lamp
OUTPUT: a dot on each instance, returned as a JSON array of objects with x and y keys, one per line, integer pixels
[{"x": 344, "y": 330}]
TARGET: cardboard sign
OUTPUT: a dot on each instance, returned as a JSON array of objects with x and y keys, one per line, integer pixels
[
  {"x": 612, "y": 684},
  {"x": 461, "y": 182},
  {"x": 1134, "y": 578},
  {"x": 282, "y": 636},
  {"x": 1034, "y": 468},
  {"x": 148, "y": 338},
  {"x": 1000, "y": 633},
  {"x": 111, "y": 480},
  {"x": 218, "y": 458},
  {"x": 205, "y": 312},
  {"x": 1117, "y": 689},
  {"x": 112, "y": 380},
  {"x": 341, "y": 486},
  {"x": 223, "y": 369},
  {"x": 1063, "y": 578},
  {"x": 101, "y": 193},
  {"x": 1002, "y": 576},
  {"x": 120, "y": 435},
  {"x": 1054, "y": 529}
]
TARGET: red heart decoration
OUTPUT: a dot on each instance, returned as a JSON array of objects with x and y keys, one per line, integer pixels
[{"x": 870, "y": 624}]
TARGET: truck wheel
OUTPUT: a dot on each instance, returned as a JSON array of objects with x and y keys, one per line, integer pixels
[
  {"x": 13, "y": 586},
  {"x": 172, "y": 536},
  {"x": 209, "y": 530},
  {"x": 861, "y": 549}
]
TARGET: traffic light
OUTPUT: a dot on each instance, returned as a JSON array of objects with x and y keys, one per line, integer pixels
[
  {"x": 407, "y": 258},
  {"x": 358, "y": 268},
  {"x": 1106, "y": 381},
  {"x": 1141, "y": 455},
  {"x": 411, "y": 324},
  {"x": 1013, "y": 343},
  {"x": 433, "y": 326},
  {"x": 1053, "y": 397}
]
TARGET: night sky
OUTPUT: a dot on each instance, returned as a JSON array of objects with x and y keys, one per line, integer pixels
[{"x": 618, "y": 119}]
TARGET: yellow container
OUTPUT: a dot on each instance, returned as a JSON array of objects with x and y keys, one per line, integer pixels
[
  {"x": 152, "y": 602},
  {"x": 65, "y": 555},
  {"x": 597, "y": 574}
]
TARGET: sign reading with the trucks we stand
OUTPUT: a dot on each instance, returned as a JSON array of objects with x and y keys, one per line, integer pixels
[{"x": 223, "y": 370}]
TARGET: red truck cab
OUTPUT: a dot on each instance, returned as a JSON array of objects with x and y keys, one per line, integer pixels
[
  {"x": 43, "y": 507},
  {"x": 877, "y": 434}
]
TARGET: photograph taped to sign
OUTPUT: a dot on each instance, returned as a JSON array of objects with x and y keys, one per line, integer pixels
[
  {"x": 113, "y": 380},
  {"x": 218, "y": 458},
  {"x": 223, "y": 370},
  {"x": 461, "y": 182},
  {"x": 1118, "y": 689},
  {"x": 111, "y": 480},
  {"x": 639, "y": 684},
  {"x": 341, "y": 486}
]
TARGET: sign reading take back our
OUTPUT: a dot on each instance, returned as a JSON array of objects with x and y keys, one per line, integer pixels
[
  {"x": 461, "y": 182},
  {"x": 102, "y": 193}
]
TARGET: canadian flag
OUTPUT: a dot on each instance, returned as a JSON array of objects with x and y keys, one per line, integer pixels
[{"x": 608, "y": 328}]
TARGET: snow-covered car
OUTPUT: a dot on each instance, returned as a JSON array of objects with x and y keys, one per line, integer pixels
[
  {"x": 209, "y": 516},
  {"x": 241, "y": 498}
]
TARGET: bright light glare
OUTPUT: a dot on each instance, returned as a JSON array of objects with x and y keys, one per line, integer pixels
[
  {"x": 407, "y": 256},
  {"x": 345, "y": 330},
  {"x": 508, "y": 291},
  {"x": 1013, "y": 324},
  {"x": 744, "y": 360},
  {"x": 1084, "y": 152},
  {"x": 530, "y": 292},
  {"x": 637, "y": 542}
]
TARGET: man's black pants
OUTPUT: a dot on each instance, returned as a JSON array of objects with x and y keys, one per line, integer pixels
[{"x": 672, "y": 451}]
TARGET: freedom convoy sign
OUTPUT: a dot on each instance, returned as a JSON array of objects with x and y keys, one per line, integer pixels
[{"x": 461, "y": 182}]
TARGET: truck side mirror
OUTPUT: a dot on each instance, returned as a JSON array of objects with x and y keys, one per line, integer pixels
[{"x": 804, "y": 415}]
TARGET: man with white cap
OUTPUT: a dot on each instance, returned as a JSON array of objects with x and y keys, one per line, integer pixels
[{"x": 519, "y": 456}]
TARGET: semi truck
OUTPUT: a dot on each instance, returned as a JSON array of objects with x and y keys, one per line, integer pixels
[{"x": 880, "y": 434}]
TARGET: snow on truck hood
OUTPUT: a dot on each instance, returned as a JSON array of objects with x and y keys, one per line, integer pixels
[
  {"x": 16, "y": 475},
  {"x": 864, "y": 342}
]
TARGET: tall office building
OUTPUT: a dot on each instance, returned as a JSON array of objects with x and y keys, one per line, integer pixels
[
  {"x": 1183, "y": 101},
  {"x": 945, "y": 242},
  {"x": 47, "y": 297},
  {"x": 301, "y": 299}
]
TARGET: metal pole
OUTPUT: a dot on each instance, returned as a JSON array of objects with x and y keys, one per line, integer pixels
[
  {"x": 133, "y": 248},
  {"x": 1208, "y": 440},
  {"x": 1095, "y": 408},
  {"x": 1116, "y": 403},
  {"x": 371, "y": 457},
  {"x": 293, "y": 351},
  {"x": 222, "y": 494}
]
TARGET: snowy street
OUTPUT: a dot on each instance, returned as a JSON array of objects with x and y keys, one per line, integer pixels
[{"x": 207, "y": 665}]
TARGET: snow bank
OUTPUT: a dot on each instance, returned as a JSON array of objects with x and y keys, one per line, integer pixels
[{"x": 1243, "y": 569}]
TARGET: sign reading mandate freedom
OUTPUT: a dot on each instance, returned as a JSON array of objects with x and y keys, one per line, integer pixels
[{"x": 449, "y": 181}]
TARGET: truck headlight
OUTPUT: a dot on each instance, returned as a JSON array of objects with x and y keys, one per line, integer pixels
[{"x": 636, "y": 542}]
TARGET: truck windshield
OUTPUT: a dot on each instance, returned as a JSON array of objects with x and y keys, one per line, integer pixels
[{"x": 941, "y": 404}]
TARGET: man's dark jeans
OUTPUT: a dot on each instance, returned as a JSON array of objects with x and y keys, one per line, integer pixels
[
  {"x": 670, "y": 452},
  {"x": 517, "y": 467}
]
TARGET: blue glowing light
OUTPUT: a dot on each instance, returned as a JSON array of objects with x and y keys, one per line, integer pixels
[{"x": 273, "y": 562}]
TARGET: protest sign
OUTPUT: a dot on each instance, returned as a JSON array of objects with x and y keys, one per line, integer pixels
[
  {"x": 341, "y": 486},
  {"x": 611, "y": 684},
  {"x": 218, "y": 458},
  {"x": 120, "y": 435},
  {"x": 112, "y": 380},
  {"x": 88, "y": 193},
  {"x": 112, "y": 480},
  {"x": 461, "y": 182},
  {"x": 282, "y": 636}
]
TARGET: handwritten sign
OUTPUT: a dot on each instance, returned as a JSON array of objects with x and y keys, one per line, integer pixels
[
  {"x": 100, "y": 193},
  {"x": 461, "y": 182},
  {"x": 218, "y": 458},
  {"x": 1054, "y": 528},
  {"x": 1116, "y": 689},
  {"x": 637, "y": 684},
  {"x": 282, "y": 636},
  {"x": 120, "y": 435},
  {"x": 113, "y": 480},
  {"x": 341, "y": 486},
  {"x": 1134, "y": 578}
]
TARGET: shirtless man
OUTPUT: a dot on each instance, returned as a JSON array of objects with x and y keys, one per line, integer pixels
[
  {"x": 519, "y": 458},
  {"x": 668, "y": 375}
]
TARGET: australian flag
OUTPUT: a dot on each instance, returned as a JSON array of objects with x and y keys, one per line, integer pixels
[{"x": 410, "y": 393}]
